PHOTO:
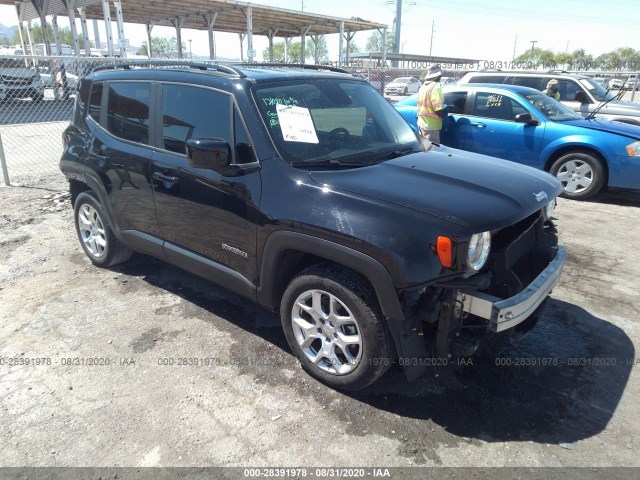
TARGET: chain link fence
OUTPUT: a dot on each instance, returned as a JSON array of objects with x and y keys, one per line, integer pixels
[{"x": 37, "y": 95}]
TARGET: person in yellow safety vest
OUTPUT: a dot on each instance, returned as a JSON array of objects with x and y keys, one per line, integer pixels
[
  {"x": 552, "y": 89},
  {"x": 431, "y": 110}
]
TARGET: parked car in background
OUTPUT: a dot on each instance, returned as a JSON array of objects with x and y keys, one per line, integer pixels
[
  {"x": 580, "y": 93},
  {"x": 604, "y": 82},
  {"x": 523, "y": 125},
  {"x": 616, "y": 84},
  {"x": 403, "y": 86},
  {"x": 19, "y": 81}
]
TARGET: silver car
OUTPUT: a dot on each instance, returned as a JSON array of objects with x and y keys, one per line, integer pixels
[
  {"x": 403, "y": 86},
  {"x": 19, "y": 81}
]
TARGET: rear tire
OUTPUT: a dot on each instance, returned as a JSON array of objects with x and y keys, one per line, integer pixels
[
  {"x": 95, "y": 233},
  {"x": 581, "y": 175},
  {"x": 334, "y": 326}
]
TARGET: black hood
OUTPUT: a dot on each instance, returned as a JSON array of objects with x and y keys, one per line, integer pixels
[{"x": 474, "y": 191}]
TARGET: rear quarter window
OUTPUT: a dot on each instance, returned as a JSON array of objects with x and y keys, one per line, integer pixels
[
  {"x": 95, "y": 101},
  {"x": 82, "y": 101}
]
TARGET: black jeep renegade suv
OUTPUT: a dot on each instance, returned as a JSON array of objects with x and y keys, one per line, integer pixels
[{"x": 304, "y": 190}]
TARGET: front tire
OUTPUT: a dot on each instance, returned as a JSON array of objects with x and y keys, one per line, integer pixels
[
  {"x": 334, "y": 326},
  {"x": 95, "y": 234},
  {"x": 581, "y": 175}
]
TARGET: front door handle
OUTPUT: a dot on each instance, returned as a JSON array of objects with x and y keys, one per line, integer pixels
[
  {"x": 167, "y": 180},
  {"x": 479, "y": 125}
]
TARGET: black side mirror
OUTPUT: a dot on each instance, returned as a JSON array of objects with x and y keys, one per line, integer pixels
[
  {"x": 527, "y": 119},
  {"x": 212, "y": 153}
]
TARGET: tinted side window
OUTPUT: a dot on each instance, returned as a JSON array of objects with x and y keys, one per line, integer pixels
[
  {"x": 455, "y": 101},
  {"x": 81, "y": 100},
  {"x": 567, "y": 90},
  {"x": 491, "y": 105},
  {"x": 193, "y": 112},
  {"x": 128, "y": 110},
  {"x": 95, "y": 100},
  {"x": 531, "y": 82}
]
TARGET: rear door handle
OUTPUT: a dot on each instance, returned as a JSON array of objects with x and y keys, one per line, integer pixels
[
  {"x": 166, "y": 179},
  {"x": 479, "y": 125}
]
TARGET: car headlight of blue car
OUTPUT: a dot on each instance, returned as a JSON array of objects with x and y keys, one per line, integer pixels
[{"x": 633, "y": 149}]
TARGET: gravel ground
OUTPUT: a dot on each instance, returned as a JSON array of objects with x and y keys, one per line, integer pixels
[{"x": 91, "y": 369}]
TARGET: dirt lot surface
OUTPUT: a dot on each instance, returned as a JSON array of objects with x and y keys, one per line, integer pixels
[{"x": 92, "y": 370}]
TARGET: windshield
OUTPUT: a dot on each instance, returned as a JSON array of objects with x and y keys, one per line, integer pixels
[
  {"x": 549, "y": 107},
  {"x": 334, "y": 121},
  {"x": 598, "y": 91},
  {"x": 402, "y": 80}
]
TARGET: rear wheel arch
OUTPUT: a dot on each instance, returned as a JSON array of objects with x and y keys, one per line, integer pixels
[{"x": 76, "y": 187}]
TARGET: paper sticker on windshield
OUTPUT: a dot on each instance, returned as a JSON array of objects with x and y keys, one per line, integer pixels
[{"x": 296, "y": 124}]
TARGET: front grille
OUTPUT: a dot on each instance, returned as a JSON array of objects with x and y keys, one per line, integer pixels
[{"x": 519, "y": 253}]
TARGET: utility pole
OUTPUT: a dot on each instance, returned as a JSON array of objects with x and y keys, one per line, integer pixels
[
  {"x": 433, "y": 24},
  {"x": 533, "y": 44},
  {"x": 302, "y": 5},
  {"x": 398, "y": 23},
  {"x": 513, "y": 57}
]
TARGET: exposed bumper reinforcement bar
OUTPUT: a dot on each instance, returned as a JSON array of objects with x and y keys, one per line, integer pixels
[{"x": 509, "y": 312}]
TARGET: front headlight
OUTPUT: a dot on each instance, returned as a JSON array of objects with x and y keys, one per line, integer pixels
[
  {"x": 547, "y": 211},
  {"x": 478, "y": 252},
  {"x": 633, "y": 149}
]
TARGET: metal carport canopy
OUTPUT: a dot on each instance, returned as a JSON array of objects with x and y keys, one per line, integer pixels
[{"x": 221, "y": 15}]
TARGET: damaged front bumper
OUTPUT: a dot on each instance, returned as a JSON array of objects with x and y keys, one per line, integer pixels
[{"x": 504, "y": 314}]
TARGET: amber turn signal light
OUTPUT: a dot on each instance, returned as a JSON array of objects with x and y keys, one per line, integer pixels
[{"x": 444, "y": 247}]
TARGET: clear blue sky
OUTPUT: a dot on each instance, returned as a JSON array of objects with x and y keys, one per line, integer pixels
[{"x": 484, "y": 30}]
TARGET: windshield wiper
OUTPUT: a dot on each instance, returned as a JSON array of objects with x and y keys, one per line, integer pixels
[
  {"x": 617, "y": 96},
  {"x": 399, "y": 152},
  {"x": 329, "y": 162}
]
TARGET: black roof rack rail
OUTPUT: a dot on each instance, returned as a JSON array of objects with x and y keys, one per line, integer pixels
[
  {"x": 111, "y": 66},
  {"x": 229, "y": 70},
  {"x": 304, "y": 66},
  {"x": 556, "y": 71},
  {"x": 490, "y": 70}
]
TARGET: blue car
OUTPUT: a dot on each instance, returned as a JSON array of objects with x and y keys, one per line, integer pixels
[{"x": 523, "y": 125}]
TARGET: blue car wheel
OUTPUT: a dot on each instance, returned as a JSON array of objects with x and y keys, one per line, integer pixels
[{"x": 581, "y": 175}]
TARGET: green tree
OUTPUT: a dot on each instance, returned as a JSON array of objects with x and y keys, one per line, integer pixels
[
  {"x": 163, "y": 47},
  {"x": 293, "y": 51},
  {"x": 353, "y": 48},
  {"x": 629, "y": 58},
  {"x": 538, "y": 56},
  {"x": 66, "y": 38},
  {"x": 374, "y": 42},
  {"x": 581, "y": 60},
  {"x": 563, "y": 59},
  {"x": 317, "y": 51}
]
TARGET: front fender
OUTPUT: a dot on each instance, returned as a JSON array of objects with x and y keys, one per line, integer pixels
[
  {"x": 408, "y": 343},
  {"x": 572, "y": 142}
]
